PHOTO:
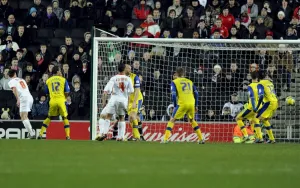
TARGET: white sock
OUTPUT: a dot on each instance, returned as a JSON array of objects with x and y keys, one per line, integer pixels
[
  {"x": 28, "y": 126},
  {"x": 101, "y": 126},
  {"x": 106, "y": 124},
  {"x": 121, "y": 129}
]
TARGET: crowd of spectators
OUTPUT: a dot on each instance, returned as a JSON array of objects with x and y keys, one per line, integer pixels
[{"x": 39, "y": 34}]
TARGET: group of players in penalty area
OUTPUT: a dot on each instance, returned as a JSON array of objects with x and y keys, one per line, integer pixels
[{"x": 126, "y": 97}]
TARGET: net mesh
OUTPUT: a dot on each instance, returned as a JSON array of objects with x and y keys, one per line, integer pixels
[{"x": 221, "y": 73}]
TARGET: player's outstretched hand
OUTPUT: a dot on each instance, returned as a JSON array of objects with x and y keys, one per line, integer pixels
[{"x": 18, "y": 103}]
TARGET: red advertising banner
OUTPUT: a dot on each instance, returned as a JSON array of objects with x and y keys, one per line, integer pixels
[{"x": 153, "y": 131}]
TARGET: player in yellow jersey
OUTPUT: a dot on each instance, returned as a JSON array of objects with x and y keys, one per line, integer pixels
[
  {"x": 58, "y": 88},
  {"x": 270, "y": 104},
  {"x": 254, "y": 90},
  {"x": 135, "y": 103},
  {"x": 185, "y": 99}
]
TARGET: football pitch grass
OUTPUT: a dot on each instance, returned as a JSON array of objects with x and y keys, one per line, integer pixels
[{"x": 85, "y": 164}]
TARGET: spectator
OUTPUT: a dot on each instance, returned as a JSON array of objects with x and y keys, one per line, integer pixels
[
  {"x": 251, "y": 9},
  {"x": 8, "y": 53},
  {"x": 263, "y": 59},
  {"x": 245, "y": 19},
  {"x": 129, "y": 30},
  {"x": 177, "y": 8},
  {"x": 33, "y": 20},
  {"x": 63, "y": 51},
  {"x": 70, "y": 47},
  {"x": 30, "y": 71},
  {"x": 268, "y": 21},
  {"x": 50, "y": 19},
  {"x": 291, "y": 34},
  {"x": 286, "y": 9},
  {"x": 252, "y": 33},
  {"x": 215, "y": 8},
  {"x": 198, "y": 9},
  {"x": 42, "y": 83},
  {"x": 9, "y": 38},
  {"x": 233, "y": 34},
  {"x": 190, "y": 20},
  {"x": 27, "y": 79},
  {"x": 209, "y": 20},
  {"x": 158, "y": 7},
  {"x": 261, "y": 28},
  {"x": 2, "y": 31},
  {"x": 21, "y": 38},
  {"x": 235, "y": 76},
  {"x": 169, "y": 113},
  {"x": 240, "y": 28},
  {"x": 295, "y": 24},
  {"x": 269, "y": 35},
  {"x": 204, "y": 32},
  {"x": 157, "y": 18},
  {"x": 150, "y": 28},
  {"x": 280, "y": 26},
  {"x": 41, "y": 9},
  {"x": 152, "y": 116},
  {"x": 70, "y": 107},
  {"x": 83, "y": 55},
  {"x": 15, "y": 66},
  {"x": 6, "y": 10},
  {"x": 67, "y": 22},
  {"x": 76, "y": 64},
  {"x": 141, "y": 11},
  {"x": 21, "y": 61},
  {"x": 166, "y": 34},
  {"x": 243, "y": 92},
  {"x": 75, "y": 10},
  {"x": 107, "y": 20},
  {"x": 210, "y": 115},
  {"x": 11, "y": 25},
  {"x": 49, "y": 69},
  {"x": 234, "y": 8},
  {"x": 57, "y": 10},
  {"x": 58, "y": 60},
  {"x": 4, "y": 80},
  {"x": 196, "y": 35},
  {"x": 78, "y": 97},
  {"x": 66, "y": 73},
  {"x": 87, "y": 45},
  {"x": 222, "y": 29},
  {"x": 172, "y": 23},
  {"x": 226, "y": 18},
  {"x": 40, "y": 108},
  {"x": 46, "y": 56},
  {"x": 234, "y": 106},
  {"x": 268, "y": 7}
]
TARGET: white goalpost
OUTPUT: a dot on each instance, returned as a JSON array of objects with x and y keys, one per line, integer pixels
[{"x": 219, "y": 68}]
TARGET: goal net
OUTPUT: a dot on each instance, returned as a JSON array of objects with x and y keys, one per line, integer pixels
[{"x": 219, "y": 68}]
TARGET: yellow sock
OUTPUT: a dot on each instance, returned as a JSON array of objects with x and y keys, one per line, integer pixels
[
  {"x": 197, "y": 130},
  {"x": 269, "y": 129},
  {"x": 242, "y": 127},
  {"x": 67, "y": 127},
  {"x": 45, "y": 125},
  {"x": 258, "y": 131},
  {"x": 135, "y": 130},
  {"x": 168, "y": 130}
]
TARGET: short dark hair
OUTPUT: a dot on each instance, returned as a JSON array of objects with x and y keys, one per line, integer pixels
[
  {"x": 262, "y": 74},
  {"x": 12, "y": 73},
  {"x": 254, "y": 75},
  {"x": 55, "y": 69},
  {"x": 29, "y": 64},
  {"x": 121, "y": 67},
  {"x": 180, "y": 71}
]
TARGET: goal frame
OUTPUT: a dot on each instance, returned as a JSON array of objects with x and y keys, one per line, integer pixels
[{"x": 96, "y": 40}]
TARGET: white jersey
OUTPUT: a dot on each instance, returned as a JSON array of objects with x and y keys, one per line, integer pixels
[
  {"x": 21, "y": 87},
  {"x": 119, "y": 86}
]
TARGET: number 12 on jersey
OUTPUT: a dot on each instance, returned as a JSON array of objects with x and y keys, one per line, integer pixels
[{"x": 55, "y": 86}]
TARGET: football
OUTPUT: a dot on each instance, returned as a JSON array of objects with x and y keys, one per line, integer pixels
[{"x": 290, "y": 101}]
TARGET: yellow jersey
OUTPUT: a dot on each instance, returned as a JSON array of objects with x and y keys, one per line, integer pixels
[
  {"x": 56, "y": 87},
  {"x": 269, "y": 91},
  {"x": 254, "y": 91},
  {"x": 184, "y": 92},
  {"x": 136, "y": 84}
]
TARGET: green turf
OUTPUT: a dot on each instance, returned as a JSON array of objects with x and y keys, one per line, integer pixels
[{"x": 84, "y": 164}]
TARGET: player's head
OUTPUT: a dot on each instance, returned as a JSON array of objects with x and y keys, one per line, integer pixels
[
  {"x": 127, "y": 69},
  {"x": 180, "y": 72},
  {"x": 12, "y": 73},
  {"x": 262, "y": 75},
  {"x": 121, "y": 67},
  {"x": 175, "y": 75},
  {"x": 254, "y": 75},
  {"x": 56, "y": 71}
]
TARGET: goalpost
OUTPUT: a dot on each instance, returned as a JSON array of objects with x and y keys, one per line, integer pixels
[{"x": 220, "y": 70}]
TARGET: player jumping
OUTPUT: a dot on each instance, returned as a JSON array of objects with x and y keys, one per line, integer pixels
[
  {"x": 24, "y": 99},
  {"x": 135, "y": 103},
  {"x": 121, "y": 86},
  {"x": 58, "y": 88},
  {"x": 254, "y": 90},
  {"x": 185, "y": 99},
  {"x": 270, "y": 104}
]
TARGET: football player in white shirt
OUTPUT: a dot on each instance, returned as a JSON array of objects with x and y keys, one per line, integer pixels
[
  {"x": 24, "y": 99},
  {"x": 120, "y": 87}
]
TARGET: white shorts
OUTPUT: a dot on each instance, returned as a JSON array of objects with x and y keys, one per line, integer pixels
[
  {"x": 26, "y": 104},
  {"x": 104, "y": 111},
  {"x": 116, "y": 106}
]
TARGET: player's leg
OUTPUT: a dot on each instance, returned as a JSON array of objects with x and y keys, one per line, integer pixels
[
  {"x": 115, "y": 129},
  {"x": 120, "y": 112},
  {"x": 140, "y": 123},
  {"x": 25, "y": 107},
  {"x": 239, "y": 119},
  {"x": 64, "y": 114},
  {"x": 191, "y": 115},
  {"x": 101, "y": 123},
  {"x": 264, "y": 114},
  {"x": 257, "y": 127},
  {"x": 132, "y": 112},
  {"x": 53, "y": 111}
]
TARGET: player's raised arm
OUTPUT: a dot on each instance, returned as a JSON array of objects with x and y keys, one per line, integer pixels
[
  {"x": 137, "y": 89},
  {"x": 252, "y": 97},
  {"x": 261, "y": 93},
  {"x": 107, "y": 89},
  {"x": 174, "y": 93}
]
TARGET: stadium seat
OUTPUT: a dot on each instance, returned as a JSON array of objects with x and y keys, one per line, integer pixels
[
  {"x": 25, "y": 4},
  {"x": 46, "y": 2},
  {"x": 77, "y": 33},
  {"x": 45, "y": 33},
  {"x": 61, "y": 33},
  {"x": 136, "y": 23},
  {"x": 14, "y": 4},
  {"x": 56, "y": 42},
  {"x": 121, "y": 23},
  {"x": 33, "y": 48},
  {"x": 77, "y": 41}
]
